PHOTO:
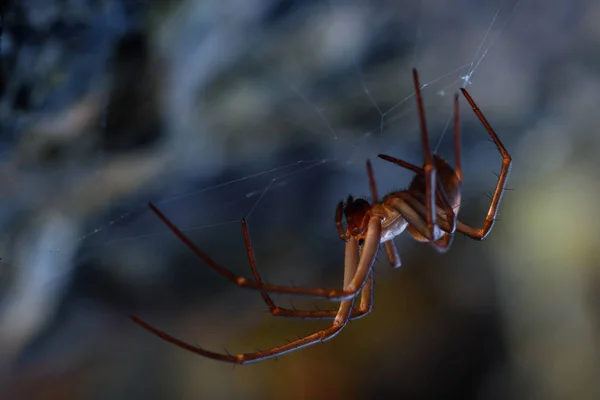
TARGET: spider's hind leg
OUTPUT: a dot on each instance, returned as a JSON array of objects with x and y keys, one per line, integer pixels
[
  {"x": 390, "y": 246},
  {"x": 432, "y": 232},
  {"x": 480, "y": 234}
]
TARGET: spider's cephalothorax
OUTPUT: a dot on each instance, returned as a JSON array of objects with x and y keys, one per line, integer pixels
[
  {"x": 356, "y": 212},
  {"x": 428, "y": 209}
]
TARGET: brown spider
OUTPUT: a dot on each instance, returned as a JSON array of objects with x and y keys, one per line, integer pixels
[{"x": 428, "y": 210}]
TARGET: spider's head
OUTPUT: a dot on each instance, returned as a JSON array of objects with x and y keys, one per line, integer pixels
[{"x": 356, "y": 213}]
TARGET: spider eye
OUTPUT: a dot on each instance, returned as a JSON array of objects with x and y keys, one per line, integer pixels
[{"x": 361, "y": 242}]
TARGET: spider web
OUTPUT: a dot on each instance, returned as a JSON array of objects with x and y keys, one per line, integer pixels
[
  {"x": 292, "y": 196},
  {"x": 393, "y": 130},
  {"x": 288, "y": 192}
]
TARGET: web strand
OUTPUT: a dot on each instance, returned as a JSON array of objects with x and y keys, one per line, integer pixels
[{"x": 386, "y": 118}]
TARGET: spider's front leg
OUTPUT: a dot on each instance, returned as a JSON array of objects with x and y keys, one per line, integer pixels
[
  {"x": 366, "y": 298},
  {"x": 357, "y": 268},
  {"x": 390, "y": 246},
  {"x": 360, "y": 277},
  {"x": 433, "y": 231}
]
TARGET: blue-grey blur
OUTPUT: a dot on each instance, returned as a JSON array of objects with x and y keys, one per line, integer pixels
[{"x": 219, "y": 110}]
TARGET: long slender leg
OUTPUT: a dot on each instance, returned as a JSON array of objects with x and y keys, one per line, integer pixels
[
  {"x": 365, "y": 307},
  {"x": 441, "y": 197},
  {"x": 413, "y": 210},
  {"x": 340, "y": 321},
  {"x": 429, "y": 167},
  {"x": 367, "y": 292},
  {"x": 402, "y": 163},
  {"x": 390, "y": 245},
  {"x": 480, "y": 234},
  {"x": 442, "y": 245},
  {"x": 307, "y": 314},
  {"x": 440, "y": 192},
  {"x": 359, "y": 279},
  {"x": 457, "y": 144}
]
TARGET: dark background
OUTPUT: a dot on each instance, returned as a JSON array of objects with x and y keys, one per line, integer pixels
[{"x": 217, "y": 110}]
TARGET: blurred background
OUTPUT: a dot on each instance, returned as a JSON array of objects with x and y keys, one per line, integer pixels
[{"x": 219, "y": 110}]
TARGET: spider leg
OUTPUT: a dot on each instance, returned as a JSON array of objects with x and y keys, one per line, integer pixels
[
  {"x": 413, "y": 210},
  {"x": 365, "y": 304},
  {"x": 390, "y": 246},
  {"x": 432, "y": 232},
  {"x": 440, "y": 192},
  {"x": 353, "y": 263},
  {"x": 246, "y": 358},
  {"x": 480, "y": 234},
  {"x": 442, "y": 245},
  {"x": 366, "y": 293},
  {"x": 364, "y": 309},
  {"x": 457, "y": 156},
  {"x": 433, "y": 186},
  {"x": 365, "y": 265}
]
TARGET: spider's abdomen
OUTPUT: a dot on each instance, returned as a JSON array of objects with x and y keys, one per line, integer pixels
[{"x": 446, "y": 177}]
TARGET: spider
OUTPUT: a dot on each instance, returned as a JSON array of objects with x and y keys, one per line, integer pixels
[{"x": 427, "y": 210}]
